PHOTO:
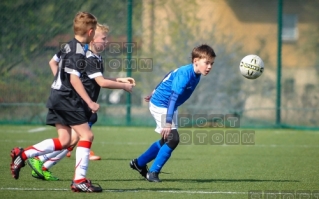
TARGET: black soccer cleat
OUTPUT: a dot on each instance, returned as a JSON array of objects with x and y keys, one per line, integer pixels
[
  {"x": 152, "y": 177},
  {"x": 17, "y": 162},
  {"x": 85, "y": 186},
  {"x": 142, "y": 170}
]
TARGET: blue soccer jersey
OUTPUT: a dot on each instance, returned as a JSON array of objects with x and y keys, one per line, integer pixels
[{"x": 180, "y": 83}]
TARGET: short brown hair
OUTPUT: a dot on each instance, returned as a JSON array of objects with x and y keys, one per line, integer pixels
[
  {"x": 203, "y": 51},
  {"x": 83, "y": 21}
]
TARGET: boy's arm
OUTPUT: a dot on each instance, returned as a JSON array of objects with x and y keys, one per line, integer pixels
[
  {"x": 54, "y": 66},
  {"x": 178, "y": 86},
  {"x": 171, "y": 107},
  {"x": 110, "y": 78},
  {"x": 129, "y": 80},
  {"x": 148, "y": 98},
  {"x": 79, "y": 88},
  {"x": 54, "y": 63},
  {"x": 169, "y": 115},
  {"x": 107, "y": 83},
  {"x": 93, "y": 71}
]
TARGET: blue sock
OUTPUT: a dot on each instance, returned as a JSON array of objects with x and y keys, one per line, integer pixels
[
  {"x": 149, "y": 154},
  {"x": 163, "y": 155}
]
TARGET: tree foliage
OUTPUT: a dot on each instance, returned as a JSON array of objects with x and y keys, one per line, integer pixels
[{"x": 26, "y": 26}]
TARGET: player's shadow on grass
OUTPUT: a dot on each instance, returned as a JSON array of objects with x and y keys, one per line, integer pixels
[
  {"x": 129, "y": 159},
  {"x": 107, "y": 180},
  {"x": 116, "y": 159},
  {"x": 122, "y": 180},
  {"x": 226, "y": 180},
  {"x": 193, "y": 180},
  {"x": 141, "y": 189}
]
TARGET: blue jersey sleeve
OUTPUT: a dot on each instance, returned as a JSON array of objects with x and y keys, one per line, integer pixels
[{"x": 171, "y": 107}]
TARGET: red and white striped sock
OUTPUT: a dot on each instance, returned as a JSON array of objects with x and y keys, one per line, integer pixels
[
  {"x": 44, "y": 147},
  {"x": 82, "y": 160},
  {"x": 55, "y": 159},
  {"x": 46, "y": 157}
]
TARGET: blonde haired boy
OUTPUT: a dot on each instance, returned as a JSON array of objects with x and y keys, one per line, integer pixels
[
  {"x": 41, "y": 165},
  {"x": 70, "y": 107}
]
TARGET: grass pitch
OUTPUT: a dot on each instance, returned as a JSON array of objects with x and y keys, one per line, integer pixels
[{"x": 281, "y": 161}]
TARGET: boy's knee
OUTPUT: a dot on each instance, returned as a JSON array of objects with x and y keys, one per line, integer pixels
[
  {"x": 65, "y": 143},
  {"x": 92, "y": 137},
  {"x": 173, "y": 139},
  {"x": 89, "y": 137},
  {"x": 74, "y": 141},
  {"x": 64, "y": 140}
]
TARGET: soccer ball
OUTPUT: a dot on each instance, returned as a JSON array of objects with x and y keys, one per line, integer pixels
[{"x": 251, "y": 66}]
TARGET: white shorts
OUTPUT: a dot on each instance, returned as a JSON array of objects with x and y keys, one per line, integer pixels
[{"x": 159, "y": 114}]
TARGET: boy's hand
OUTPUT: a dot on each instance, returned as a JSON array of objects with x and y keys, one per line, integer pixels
[
  {"x": 148, "y": 98},
  {"x": 128, "y": 87},
  {"x": 94, "y": 107},
  {"x": 166, "y": 130},
  {"x": 129, "y": 80}
]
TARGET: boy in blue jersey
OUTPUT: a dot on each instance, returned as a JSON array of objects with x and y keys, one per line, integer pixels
[{"x": 176, "y": 87}]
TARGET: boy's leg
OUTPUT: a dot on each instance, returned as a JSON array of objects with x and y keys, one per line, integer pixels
[
  {"x": 163, "y": 155},
  {"x": 152, "y": 152},
  {"x": 92, "y": 121},
  {"x": 75, "y": 139},
  {"x": 140, "y": 164},
  {"x": 36, "y": 163},
  {"x": 19, "y": 156},
  {"x": 40, "y": 165},
  {"x": 46, "y": 157},
  {"x": 48, "y": 164},
  {"x": 54, "y": 160},
  {"x": 82, "y": 151},
  {"x": 80, "y": 182},
  {"x": 170, "y": 144}
]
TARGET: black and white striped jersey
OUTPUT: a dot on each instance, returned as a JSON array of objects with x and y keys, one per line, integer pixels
[
  {"x": 72, "y": 61},
  {"x": 94, "y": 68}
]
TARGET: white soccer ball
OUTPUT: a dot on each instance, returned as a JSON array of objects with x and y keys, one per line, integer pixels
[{"x": 251, "y": 66}]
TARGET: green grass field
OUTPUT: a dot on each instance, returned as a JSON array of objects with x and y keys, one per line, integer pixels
[{"x": 280, "y": 160}]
